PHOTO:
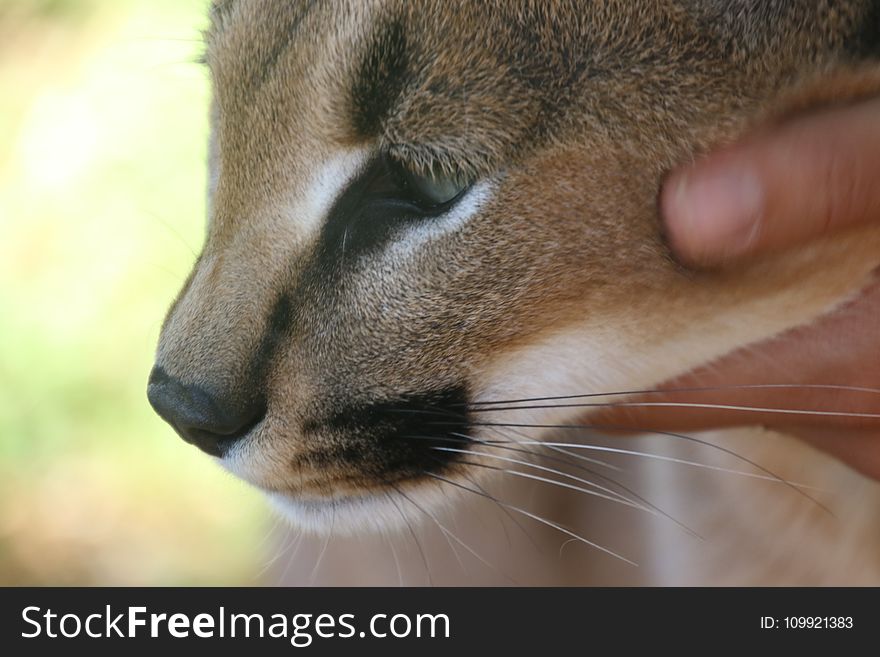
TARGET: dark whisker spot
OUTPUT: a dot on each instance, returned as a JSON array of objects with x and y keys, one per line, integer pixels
[{"x": 376, "y": 436}]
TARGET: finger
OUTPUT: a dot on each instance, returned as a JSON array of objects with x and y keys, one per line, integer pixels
[{"x": 810, "y": 176}]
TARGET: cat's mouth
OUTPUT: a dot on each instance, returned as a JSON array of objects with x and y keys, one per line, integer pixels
[{"x": 357, "y": 452}]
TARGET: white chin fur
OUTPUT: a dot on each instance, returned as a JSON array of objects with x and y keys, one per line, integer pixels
[{"x": 382, "y": 512}]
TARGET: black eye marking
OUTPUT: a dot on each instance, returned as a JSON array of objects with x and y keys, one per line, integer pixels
[
  {"x": 383, "y": 200},
  {"x": 431, "y": 193}
]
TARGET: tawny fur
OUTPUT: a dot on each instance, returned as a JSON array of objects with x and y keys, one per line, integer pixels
[{"x": 560, "y": 282}]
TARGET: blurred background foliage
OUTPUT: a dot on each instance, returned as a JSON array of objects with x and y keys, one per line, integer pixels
[{"x": 102, "y": 146}]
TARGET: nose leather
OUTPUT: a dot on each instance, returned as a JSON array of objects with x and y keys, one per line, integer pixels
[{"x": 206, "y": 420}]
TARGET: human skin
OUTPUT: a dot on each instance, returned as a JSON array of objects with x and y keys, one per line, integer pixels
[{"x": 780, "y": 187}]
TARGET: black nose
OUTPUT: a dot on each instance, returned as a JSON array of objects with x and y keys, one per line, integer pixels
[{"x": 210, "y": 423}]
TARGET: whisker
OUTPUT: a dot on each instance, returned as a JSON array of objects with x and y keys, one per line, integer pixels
[
  {"x": 442, "y": 529},
  {"x": 415, "y": 538},
  {"x": 798, "y": 488},
  {"x": 653, "y": 391},
  {"x": 769, "y": 475},
  {"x": 611, "y": 495},
  {"x": 463, "y": 438},
  {"x": 537, "y": 518},
  {"x": 579, "y": 457},
  {"x": 672, "y": 459},
  {"x": 564, "y": 544},
  {"x": 720, "y": 407},
  {"x": 501, "y": 470},
  {"x": 503, "y": 510},
  {"x": 500, "y": 521},
  {"x": 598, "y": 475},
  {"x": 430, "y": 410},
  {"x": 279, "y": 549},
  {"x": 169, "y": 226},
  {"x": 542, "y": 454},
  {"x": 606, "y": 493},
  {"x": 315, "y": 569},
  {"x": 503, "y": 444},
  {"x": 296, "y": 544},
  {"x": 390, "y": 540},
  {"x": 448, "y": 534}
]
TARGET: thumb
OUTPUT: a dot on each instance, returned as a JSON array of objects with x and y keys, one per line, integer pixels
[{"x": 810, "y": 176}]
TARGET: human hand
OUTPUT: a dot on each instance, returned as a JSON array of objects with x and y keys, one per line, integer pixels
[{"x": 813, "y": 175}]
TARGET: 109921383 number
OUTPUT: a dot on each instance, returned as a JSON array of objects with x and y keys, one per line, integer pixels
[{"x": 817, "y": 622}]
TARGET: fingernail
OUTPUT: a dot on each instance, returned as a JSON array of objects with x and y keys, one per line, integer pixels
[{"x": 713, "y": 215}]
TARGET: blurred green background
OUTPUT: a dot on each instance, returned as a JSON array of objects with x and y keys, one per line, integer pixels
[{"x": 103, "y": 130}]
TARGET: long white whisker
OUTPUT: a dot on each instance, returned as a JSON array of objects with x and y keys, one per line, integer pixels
[
  {"x": 415, "y": 538},
  {"x": 579, "y": 457},
  {"x": 655, "y": 391},
  {"x": 617, "y": 497},
  {"x": 757, "y": 466},
  {"x": 317, "y": 565},
  {"x": 672, "y": 459},
  {"x": 635, "y": 496},
  {"x": 390, "y": 540},
  {"x": 449, "y": 534},
  {"x": 279, "y": 550},
  {"x": 467, "y": 439},
  {"x": 721, "y": 407},
  {"x": 607, "y": 493},
  {"x": 295, "y": 544},
  {"x": 541, "y": 520}
]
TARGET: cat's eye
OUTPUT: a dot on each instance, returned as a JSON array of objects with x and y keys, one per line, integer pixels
[
  {"x": 432, "y": 189},
  {"x": 390, "y": 181}
]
